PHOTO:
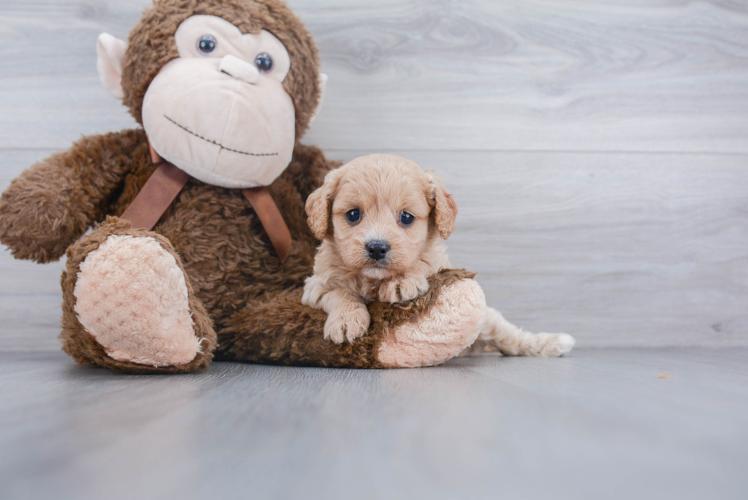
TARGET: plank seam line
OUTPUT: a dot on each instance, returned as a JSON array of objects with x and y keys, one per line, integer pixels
[{"x": 487, "y": 151}]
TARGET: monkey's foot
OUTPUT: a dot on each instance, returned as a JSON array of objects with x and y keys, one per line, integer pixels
[
  {"x": 444, "y": 330},
  {"x": 132, "y": 297},
  {"x": 128, "y": 304}
]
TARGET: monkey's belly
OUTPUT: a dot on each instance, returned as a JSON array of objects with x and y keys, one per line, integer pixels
[{"x": 228, "y": 258}]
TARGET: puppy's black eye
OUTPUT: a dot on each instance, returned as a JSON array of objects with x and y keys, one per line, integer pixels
[
  {"x": 207, "y": 45},
  {"x": 406, "y": 219},
  {"x": 353, "y": 216},
  {"x": 264, "y": 62}
]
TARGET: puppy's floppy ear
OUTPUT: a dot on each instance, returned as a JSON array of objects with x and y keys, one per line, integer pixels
[
  {"x": 445, "y": 208},
  {"x": 319, "y": 204}
]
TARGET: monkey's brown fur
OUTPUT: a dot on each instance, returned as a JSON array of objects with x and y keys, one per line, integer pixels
[
  {"x": 243, "y": 300},
  {"x": 259, "y": 334}
]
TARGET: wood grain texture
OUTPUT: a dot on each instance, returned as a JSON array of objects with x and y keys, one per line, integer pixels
[
  {"x": 597, "y": 424},
  {"x": 30, "y": 294},
  {"x": 605, "y": 234},
  {"x": 616, "y": 249},
  {"x": 578, "y": 75}
]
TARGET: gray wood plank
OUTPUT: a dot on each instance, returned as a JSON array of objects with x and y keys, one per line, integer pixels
[
  {"x": 24, "y": 278},
  {"x": 30, "y": 295},
  {"x": 597, "y": 424},
  {"x": 617, "y": 249},
  {"x": 666, "y": 75},
  {"x": 50, "y": 93}
]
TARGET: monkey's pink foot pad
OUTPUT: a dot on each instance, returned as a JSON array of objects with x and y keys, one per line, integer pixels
[
  {"x": 131, "y": 295},
  {"x": 450, "y": 326}
]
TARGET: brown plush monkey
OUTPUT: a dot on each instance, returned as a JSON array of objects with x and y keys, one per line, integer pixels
[{"x": 224, "y": 89}]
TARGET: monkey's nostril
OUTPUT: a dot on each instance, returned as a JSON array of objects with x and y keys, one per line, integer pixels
[{"x": 377, "y": 249}]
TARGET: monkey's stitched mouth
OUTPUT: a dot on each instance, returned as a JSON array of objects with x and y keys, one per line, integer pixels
[{"x": 216, "y": 143}]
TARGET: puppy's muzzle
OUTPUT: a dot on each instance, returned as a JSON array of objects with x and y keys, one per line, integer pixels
[{"x": 377, "y": 249}]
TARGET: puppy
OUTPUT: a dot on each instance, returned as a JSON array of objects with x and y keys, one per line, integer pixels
[{"x": 382, "y": 221}]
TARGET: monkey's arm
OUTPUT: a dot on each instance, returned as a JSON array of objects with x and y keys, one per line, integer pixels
[
  {"x": 50, "y": 205},
  {"x": 308, "y": 169},
  {"x": 436, "y": 326}
]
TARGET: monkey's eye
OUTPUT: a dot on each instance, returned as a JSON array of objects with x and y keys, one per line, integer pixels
[
  {"x": 264, "y": 62},
  {"x": 207, "y": 45},
  {"x": 406, "y": 219},
  {"x": 353, "y": 216}
]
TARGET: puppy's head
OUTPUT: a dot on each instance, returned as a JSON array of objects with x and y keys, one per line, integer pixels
[{"x": 382, "y": 212}]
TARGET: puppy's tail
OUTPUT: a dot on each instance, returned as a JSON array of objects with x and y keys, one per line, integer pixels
[{"x": 513, "y": 341}]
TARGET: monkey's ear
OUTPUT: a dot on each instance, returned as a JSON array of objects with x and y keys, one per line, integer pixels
[
  {"x": 319, "y": 203},
  {"x": 110, "y": 56},
  {"x": 322, "y": 88},
  {"x": 445, "y": 208}
]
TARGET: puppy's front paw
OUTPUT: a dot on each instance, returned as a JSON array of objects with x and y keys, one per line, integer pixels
[
  {"x": 347, "y": 325},
  {"x": 403, "y": 289}
]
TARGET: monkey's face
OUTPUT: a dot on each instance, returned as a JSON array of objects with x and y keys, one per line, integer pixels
[{"x": 220, "y": 111}]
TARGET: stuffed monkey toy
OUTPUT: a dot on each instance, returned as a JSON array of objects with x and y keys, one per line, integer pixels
[{"x": 200, "y": 246}]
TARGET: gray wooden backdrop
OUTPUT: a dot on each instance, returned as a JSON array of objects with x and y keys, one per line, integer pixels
[{"x": 598, "y": 149}]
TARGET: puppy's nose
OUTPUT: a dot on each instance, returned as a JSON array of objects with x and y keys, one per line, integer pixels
[{"x": 377, "y": 249}]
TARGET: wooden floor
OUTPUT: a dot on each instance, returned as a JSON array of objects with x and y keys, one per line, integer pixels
[
  {"x": 599, "y": 155},
  {"x": 598, "y": 424}
]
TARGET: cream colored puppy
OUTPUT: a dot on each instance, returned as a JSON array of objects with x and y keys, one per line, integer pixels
[{"x": 382, "y": 221}]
